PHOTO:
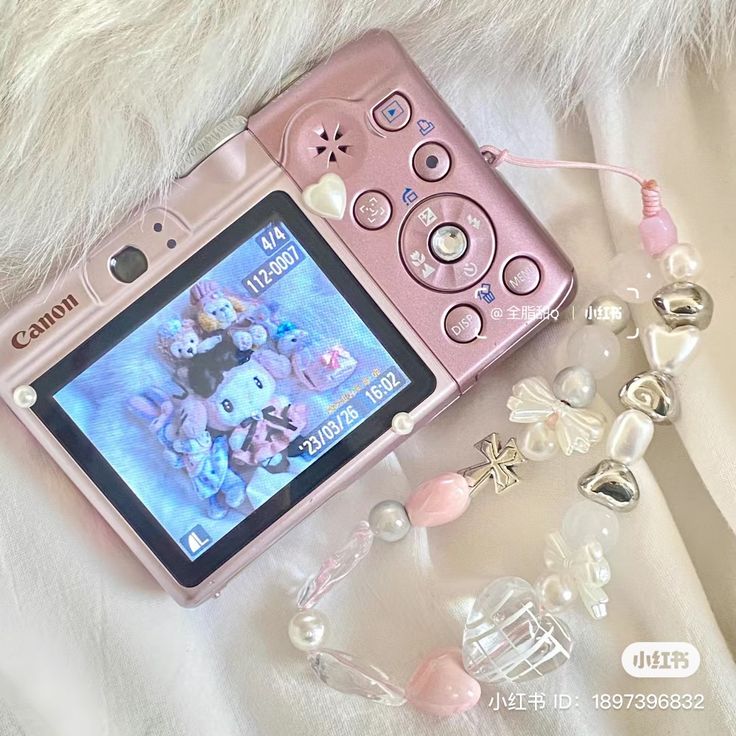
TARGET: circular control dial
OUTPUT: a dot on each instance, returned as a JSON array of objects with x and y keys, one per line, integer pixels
[{"x": 430, "y": 232}]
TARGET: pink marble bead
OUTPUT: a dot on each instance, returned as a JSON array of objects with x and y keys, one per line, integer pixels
[
  {"x": 441, "y": 686},
  {"x": 439, "y": 500},
  {"x": 658, "y": 233}
]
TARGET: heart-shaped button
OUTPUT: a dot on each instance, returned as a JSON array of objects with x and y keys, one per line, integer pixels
[
  {"x": 652, "y": 393},
  {"x": 508, "y": 638},
  {"x": 670, "y": 350},
  {"x": 327, "y": 197}
]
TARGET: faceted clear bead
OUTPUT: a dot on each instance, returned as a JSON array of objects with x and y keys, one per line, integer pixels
[
  {"x": 585, "y": 522},
  {"x": 347, "y": 674},
  {"x": 681, "y": 262},
  {"x": 635, "y": 276},
  {"x": 307, "y": 629},
  {"x": 337, "y": 566},
  {"x": 595, "y": 348},
  {"x": 538, "y": 441},
  {"x": 556, "y": 592}
]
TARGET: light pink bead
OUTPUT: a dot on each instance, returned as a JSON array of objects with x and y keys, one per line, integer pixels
[
  {"x": 439, "y": 500},
  {"x": 441, "y": 686},
  {"x": 658, "y": 233}
]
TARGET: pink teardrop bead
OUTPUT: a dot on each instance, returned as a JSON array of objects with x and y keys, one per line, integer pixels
[
  {"x": 441, "y": 686},
  {"x": 439, "y": 500},
  {"x": 658, "y": 233}
]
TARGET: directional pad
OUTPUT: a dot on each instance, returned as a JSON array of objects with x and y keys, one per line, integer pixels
[{"x": 372, "y": 210}]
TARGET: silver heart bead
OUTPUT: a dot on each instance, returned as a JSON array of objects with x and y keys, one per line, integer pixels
[
  {"x": 670, "y": 350},
  {"x": 684, "y": 303},
  {"x": 508, "y": 638},
  {"x": 612, "y": 484},
  {"x": 652, "y": 393}
]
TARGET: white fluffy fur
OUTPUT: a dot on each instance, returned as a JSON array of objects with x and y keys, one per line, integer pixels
[{"x": 100, "y": 98}]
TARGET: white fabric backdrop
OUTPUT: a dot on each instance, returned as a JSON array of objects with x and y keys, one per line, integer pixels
[{"x": 90, "y": 645}]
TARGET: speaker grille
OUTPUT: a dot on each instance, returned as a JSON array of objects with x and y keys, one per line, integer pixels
[{"x": 330, "y": 144}]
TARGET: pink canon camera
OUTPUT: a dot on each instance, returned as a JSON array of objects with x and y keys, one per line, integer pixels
[{"x": 317, "y": 284}]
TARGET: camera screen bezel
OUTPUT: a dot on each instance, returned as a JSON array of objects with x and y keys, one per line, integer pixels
[{"x": 190, "y": 573}]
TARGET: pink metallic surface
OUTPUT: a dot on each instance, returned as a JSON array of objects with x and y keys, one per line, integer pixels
[
  {"x": 341, "y": 94},
  {"x": 336, "y": 100}
]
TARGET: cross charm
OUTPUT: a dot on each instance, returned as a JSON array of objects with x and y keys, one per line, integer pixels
[{"x": 499, "y": 464}]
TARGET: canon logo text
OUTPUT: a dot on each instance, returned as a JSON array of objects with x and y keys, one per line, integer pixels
[{"x": 22, "y": 339}]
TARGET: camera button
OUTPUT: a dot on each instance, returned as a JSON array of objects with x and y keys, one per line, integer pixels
[
  {"x": 393, "y": 113},
  {"x": 448, "y": 243},
  {"x": 463, "y": 323},
  {"x": 431, "y": 162},
  {"x": 521, "y": 275},
  {"x": 372, "y": 210}
]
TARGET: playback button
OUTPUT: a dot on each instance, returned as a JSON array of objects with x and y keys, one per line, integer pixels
[
  {"x": 393, "y": 113},
  {"x": 463, "y": 323}
]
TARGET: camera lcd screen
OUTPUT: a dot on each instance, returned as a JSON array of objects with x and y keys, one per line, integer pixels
[{"x": 222, "y": 397}]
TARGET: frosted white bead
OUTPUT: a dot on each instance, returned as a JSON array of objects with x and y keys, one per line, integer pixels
[
  {"x": 630, "y": 435},
  {"x": 635, "y": 276},
  {"x": 556, "y": 592},
  {"x": 585, "y": 522},
  {"x": 681, "y": 262},
  {"x": 538, "y": 442},
  {"x": 389, "y": 521},
  {"x": 575, "y": 385},
  {"x": 307, "y": 629},
  {"x": 595, "y": 348}
]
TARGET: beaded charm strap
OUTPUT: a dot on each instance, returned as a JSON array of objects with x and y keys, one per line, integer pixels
[{"x": 513, "y": 632}]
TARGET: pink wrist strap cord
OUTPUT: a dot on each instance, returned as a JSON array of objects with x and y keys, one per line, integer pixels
[{"x": 657, "y": 229}]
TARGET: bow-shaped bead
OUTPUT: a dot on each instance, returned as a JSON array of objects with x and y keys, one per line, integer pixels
[
  {"x": 576, "y": 430},
  {"x": 585, "y": 567}
]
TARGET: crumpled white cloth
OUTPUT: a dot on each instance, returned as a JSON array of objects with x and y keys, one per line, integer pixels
[{"x": 90, "y": 645}]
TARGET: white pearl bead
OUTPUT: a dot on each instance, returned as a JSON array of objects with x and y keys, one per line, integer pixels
[
  {"x": 681, "y": 262},
  {"x": 635, "y": 276},
  {"x": 575, "y": 385},
  {"x": 555, "y": 592},
  {"x": 307, "y": 629},
  {"x": 630, "y": 435},
  {"x": 389, "y": 521},
  {"x": 402, "y": 423},
  {"x": 595, "y": 348},
  {"x": 609, "y": 311},
  {"x": 586, "y": 522},
  {"x": 24, "y": 396},
  {"x": 538, "y": 442}
]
